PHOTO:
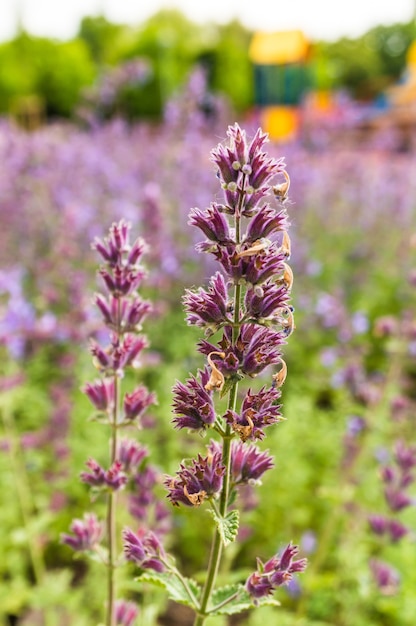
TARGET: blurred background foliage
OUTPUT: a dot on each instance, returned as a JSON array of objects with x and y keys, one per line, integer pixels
[{"x": 57, "y": 72}]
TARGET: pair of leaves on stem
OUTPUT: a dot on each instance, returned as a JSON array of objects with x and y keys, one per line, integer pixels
[{"x": 225, "y": 600}]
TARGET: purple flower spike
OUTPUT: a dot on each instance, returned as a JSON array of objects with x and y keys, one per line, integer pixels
[
  {"x": 197, "y": 482},
  {"x": 144, "y": 549},
  {"x": 86, "y": 533},
  {"x": 192, "y": 403}
]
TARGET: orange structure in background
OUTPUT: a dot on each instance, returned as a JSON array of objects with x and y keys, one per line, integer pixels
[{"x": 282, "y": 77}]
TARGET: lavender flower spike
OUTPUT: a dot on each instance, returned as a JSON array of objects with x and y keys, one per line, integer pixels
[{"x": 247, "y": 304}]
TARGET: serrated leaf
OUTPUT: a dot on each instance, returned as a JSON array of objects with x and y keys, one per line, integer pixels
[
  {"x": 235, "y": 599},
  {"x": 180, "y": 589},
  {"x": 227, "y": 526}
]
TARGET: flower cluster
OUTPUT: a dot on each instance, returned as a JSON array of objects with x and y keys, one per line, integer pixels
[
  {"x": 247, "y": 317},
  {"x": 397, "y": 477},
  {"x": 275, "y": 572},
  {"x": 85, "y": 534},
  {"x": 144, "y": 549}
]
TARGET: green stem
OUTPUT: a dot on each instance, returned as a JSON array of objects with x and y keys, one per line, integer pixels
[
  {"x": 112, "y": 500},
  {"x": 216, "y": 546}
]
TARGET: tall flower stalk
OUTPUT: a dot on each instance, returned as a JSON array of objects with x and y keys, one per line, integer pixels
[
  {"x": 246, "y": 307},
  {"x": 122, "y": 311}
]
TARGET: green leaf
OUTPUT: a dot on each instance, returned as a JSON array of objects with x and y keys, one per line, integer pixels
[
  {"x": 230, "y": 383},
  {"x": 227, "y": 526},
  {"x": 235, "y": 599},
  {"x": 180, "y": 589}
]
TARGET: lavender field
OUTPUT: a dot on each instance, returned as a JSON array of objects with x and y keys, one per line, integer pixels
[{"x": 342, "y": 487}]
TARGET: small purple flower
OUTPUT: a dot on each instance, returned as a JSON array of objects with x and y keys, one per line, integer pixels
[
  {"x": 113, "y": 248},
  {"x": 120, "y": 354},
  {"x": 378, "y": 524},
  {"x": 258, "y": 411},
  {"x": 386, "y": 578},
  {"x": 274, "y": 573},
  {"x": 136, "y": 403},
  {"x": 248, "y": 462},
  {"x": 121, "y": 314},
  {"x": 397, "y": 530},
  {"x": 130, "y": 454},
  {"x": 144, "y": 549},
  {"x": 126, "y": 613},
  {"x": 396, "y": 499},
  {"x": 201, "y": 480},
  {"x": 208, "y": 309},
  {"x": 212, "y": 223},
  {"x": 264, "y": 303},
  {"x": 192, "y": 403},
  {"x": 86, "y": 533},
  {"x": 255, "y": 349},
  {"x": 265, "y": 223},
  {"x": 405, "y": 456},
  {"x": 101, "y": 394},
  {"x": 262, "y": 349},
  {"x": 255, "y": 268},
  {"x": 113, "y": 478}
]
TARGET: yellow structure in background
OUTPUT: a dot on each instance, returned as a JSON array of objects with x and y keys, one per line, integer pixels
[
  {"x": 281, "y": 122},
  {"x": 404, "y": 94},
  {"x": 279, "y": 48},
  {"x": 280, "y": 63}
]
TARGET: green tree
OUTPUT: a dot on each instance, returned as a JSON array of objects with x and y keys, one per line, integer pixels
[
  {"x": 54, "y": 71},
  {"x": 230, "y": 67},
  {"x": 104, "y": 39}
]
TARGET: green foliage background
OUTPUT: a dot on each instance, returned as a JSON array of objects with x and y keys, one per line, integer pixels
[{"x": 57, "y": 72}]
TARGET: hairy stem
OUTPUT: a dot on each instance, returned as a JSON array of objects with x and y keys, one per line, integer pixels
[
  {"x": 216, "y": 547},
  {"x": 112, "y": 501}
]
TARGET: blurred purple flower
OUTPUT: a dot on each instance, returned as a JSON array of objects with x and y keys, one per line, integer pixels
[
  {"x": 126, "y": 613},
  {"x": 86, "y": 533},
  {"x": 143, "y": 549}
]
